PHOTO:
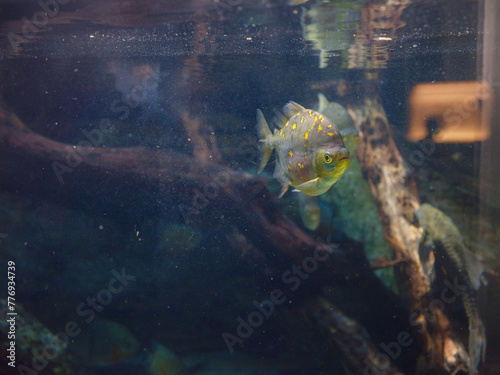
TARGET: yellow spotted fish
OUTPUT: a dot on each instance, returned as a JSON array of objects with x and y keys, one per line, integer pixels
[{"x": 310, "y": 153}]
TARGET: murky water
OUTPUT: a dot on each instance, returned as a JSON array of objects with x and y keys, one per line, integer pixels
[{"x": 141, "y": 239}]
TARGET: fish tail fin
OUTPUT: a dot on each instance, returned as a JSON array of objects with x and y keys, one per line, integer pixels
[
  {"x": 477, "y": 346},
  {"x": 477, "y": 334},
  {"x": 265, "y": 137}
]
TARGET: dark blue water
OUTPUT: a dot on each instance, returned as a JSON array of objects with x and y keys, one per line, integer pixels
[{"x": 135, "y": 221}]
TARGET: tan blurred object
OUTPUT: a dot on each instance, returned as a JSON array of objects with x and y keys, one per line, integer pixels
[{"x": 462, "y": 110}]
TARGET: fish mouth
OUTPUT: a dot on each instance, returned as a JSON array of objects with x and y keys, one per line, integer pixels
[{"x": 344, "y": 155}]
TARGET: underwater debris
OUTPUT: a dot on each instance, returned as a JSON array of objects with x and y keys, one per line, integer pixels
[
  {"x": 178, "y": 239},
  {"x": 450, "y": 252},
  {"x": 310, "y": 152}
]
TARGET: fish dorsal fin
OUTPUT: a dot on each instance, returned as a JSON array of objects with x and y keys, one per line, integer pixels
[
  {"x": 279, "y": 119},
  {"x": 323, "y": 102},
  {"x": 291, "y": 108}
]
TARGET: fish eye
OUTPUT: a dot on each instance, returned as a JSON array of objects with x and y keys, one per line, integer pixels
[{"x": 327, "y": 157}]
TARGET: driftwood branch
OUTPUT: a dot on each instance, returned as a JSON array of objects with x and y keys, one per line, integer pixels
[
  {"x": 359, "y": 355},
  {"x": 126, "y": 180},
  {"x": 387, "y": 174}
]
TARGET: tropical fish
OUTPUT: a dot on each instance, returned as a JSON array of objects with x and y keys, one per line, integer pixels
[
  {"x": 448, "y": 243},
  {"x": 438, "y": 227},
  {"x": 154, "y": 359},
  {"x": 310, "y": 153},
  {"x": 336, "y": 112},
  {"x": 309, "y": 209},
  {"x": 165, "y": 362},
  {"x": 103, "y": 343}
]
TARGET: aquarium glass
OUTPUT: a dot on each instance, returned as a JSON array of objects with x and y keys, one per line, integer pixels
[{"x": 249, "y": 187}]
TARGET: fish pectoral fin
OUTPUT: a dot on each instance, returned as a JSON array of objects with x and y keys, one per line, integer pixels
[
  {"x": 284, "y": 188},
  {"x": 308, "y": 186}
]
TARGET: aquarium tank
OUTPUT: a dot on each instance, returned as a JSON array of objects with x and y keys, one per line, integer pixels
[{"x": 245, "y": 187}]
